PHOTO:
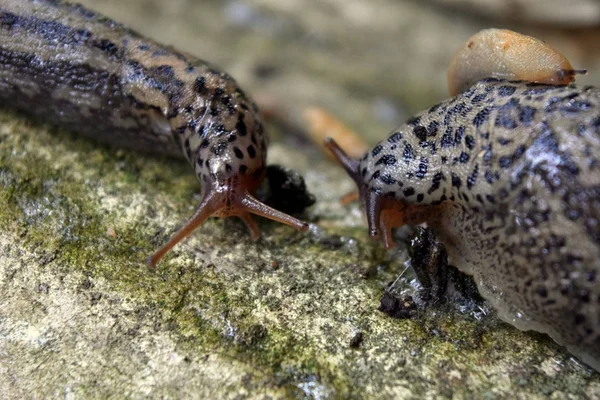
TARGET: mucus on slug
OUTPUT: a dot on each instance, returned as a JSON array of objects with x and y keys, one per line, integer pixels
[{"x": 73, "y": 67}]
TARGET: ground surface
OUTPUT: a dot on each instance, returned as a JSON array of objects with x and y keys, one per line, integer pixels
[{"x": 82, "y": 317}]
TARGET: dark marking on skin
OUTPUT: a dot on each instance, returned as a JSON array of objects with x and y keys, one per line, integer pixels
[
  {"x": 387, "y": 179},
  {"x": 238, "y": 153},
  {"x": 456, "y": 181},
  {"x": 458, "y": 135},
  {"x": 420, "y": 132},
  {"x": 395, "y": 138},
  {"x": 386, "y": 159},
  {"x": 481, "y": 117},
  {"x": 376, "y": 150},
  {"x": 422, "y": 171},
  {"x": 251, "y": 151},
  {"x": 435, "y": 182},
  {"x": 470, "y": 142},
  {"x": 409, "y": 153},
  {"x": 506, "y": 91},
  {"x": 472, "y": 179}
]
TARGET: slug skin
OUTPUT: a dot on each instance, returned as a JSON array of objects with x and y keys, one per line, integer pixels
[
  {"x": 70, "y": 66},
  {"x": 504, "y": 54},
  {"x": 508, "y": 176}
]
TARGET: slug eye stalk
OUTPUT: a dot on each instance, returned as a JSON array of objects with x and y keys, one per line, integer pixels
[{"x": 232, "y": 200}]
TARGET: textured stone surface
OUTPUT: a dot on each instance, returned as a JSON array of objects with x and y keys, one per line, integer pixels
[{"x": 81, "y": 315}]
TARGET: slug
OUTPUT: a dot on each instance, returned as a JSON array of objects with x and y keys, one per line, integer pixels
[
  {"x": 508, "y": 176},
  {"x": 65, "y": 64},
  {"x": 504, "y": 54}
]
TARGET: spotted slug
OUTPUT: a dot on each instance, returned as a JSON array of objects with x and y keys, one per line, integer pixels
[
  {"x": 504, "y": 54},
  {"x": 508, "y": 176},
  {"x": 70, "y": 66}
]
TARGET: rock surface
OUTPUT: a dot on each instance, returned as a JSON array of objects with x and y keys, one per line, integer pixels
[{"x": 290, "y": 316}]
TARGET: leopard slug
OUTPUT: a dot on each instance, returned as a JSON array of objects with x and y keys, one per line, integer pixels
[
  {"x": 65, "y": 64},
  {"x": 504, "y": 54},
  {"x": 508, "y": 176}
]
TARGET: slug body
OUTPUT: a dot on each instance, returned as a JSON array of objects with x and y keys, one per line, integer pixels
[
  {"x": 508, "y": 175},
  {"x": 504, "y": 54},
  {"x": 77, "y": 69}
]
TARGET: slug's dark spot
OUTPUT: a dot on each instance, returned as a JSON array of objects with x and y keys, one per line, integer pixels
[
  {"x": 504, "y": 162},
  {"x": 409, "y": 191},
  {"x": 456, "y": 181},
  {"x": 376, "y": 175},
  {"x": 447, "y": 140},
  {"x": 107, "y": 46},
  {"x": 387, "y": 179},
  {"x": 463, "y": 158},
  {"x": 420, "y": 132},
  {"x": 432, "y": 128},
  {"x": 506, "y": 90},
  {"x": 143, "y": 47},
  {"x": 422, "y": 170},
  {"x": 376, "y": 150},
  {"x": 478, "y": 98},
  {"x": 409, "y": 153},
  {"x": 470, "y": 142},
  {"x": 420, "y": 197},
  {"x": 387, "y": 159},
  {"x": 204, "y": 143},
  {"x": 458, "y": 135},
  {"x": 472, "y": 179},
  {"x": 228, "y": 167},
  {"x": 240, "y": 127},
  {"x": 395, "y": 138},
  {"x": 527, "y": 115},
  {"x": 232, "y": 138},
  {"x": 200, "y": 85},
  {"x": 518, "y": 152},
  {"x": 489, "y": 177},
  {"x": 481, "y": 117},
  {"x": 435, "y": 182},
  {"x": 243, "y": 169},
  {"x": 238, "y": 153},
  {"x": 251, "y": 151}
]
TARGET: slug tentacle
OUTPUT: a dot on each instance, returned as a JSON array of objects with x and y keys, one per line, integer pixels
[
  {"x": 383, "y": 212},
  {"x": 228, "y": 201}
]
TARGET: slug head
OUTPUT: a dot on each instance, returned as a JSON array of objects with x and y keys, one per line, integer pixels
[
  {"x": 227, "y": 199},
  {"x": 383, "y": 212}
]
